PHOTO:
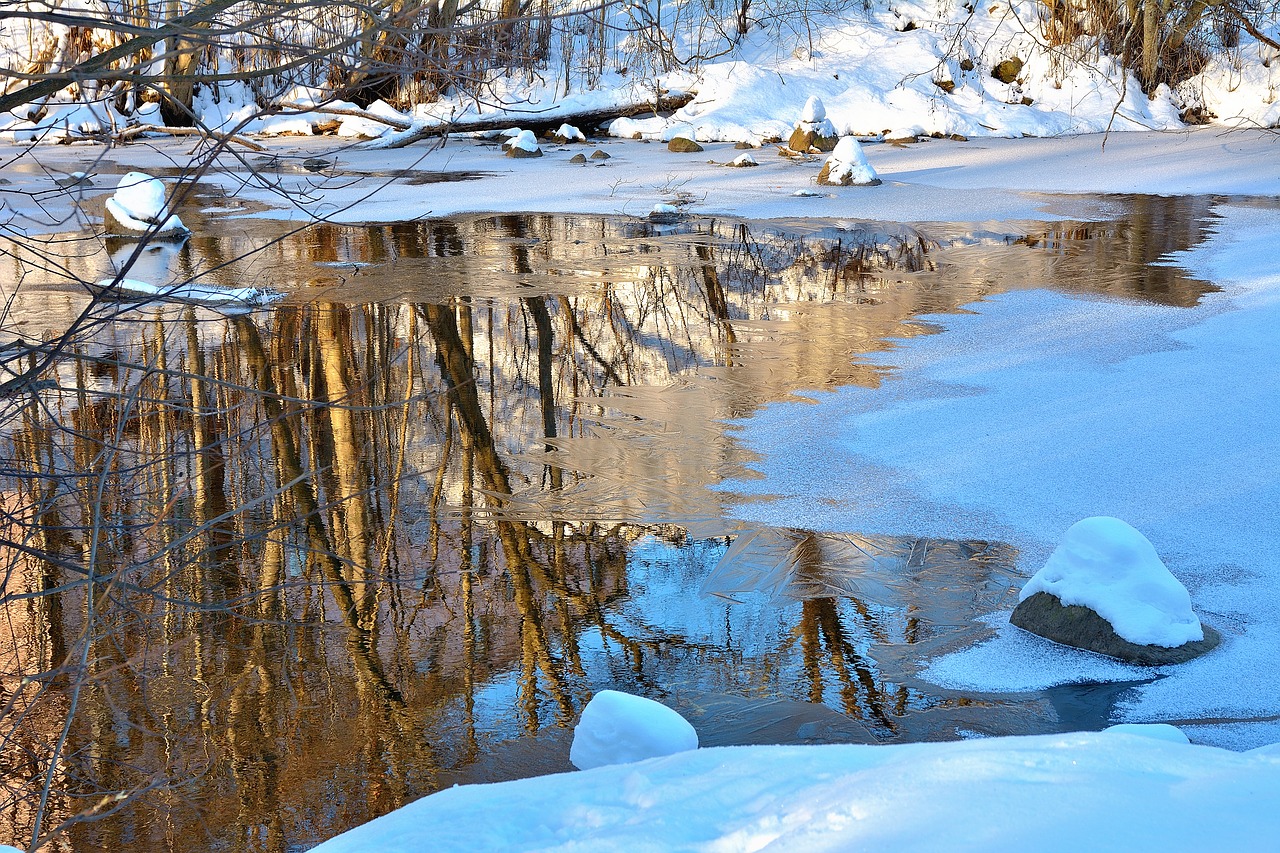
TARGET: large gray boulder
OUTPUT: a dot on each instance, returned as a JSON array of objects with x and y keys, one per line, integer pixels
[{"x": 1079, "y": 626}]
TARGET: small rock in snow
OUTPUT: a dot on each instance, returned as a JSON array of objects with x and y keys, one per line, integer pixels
[
  {"x": 599, "y": 155},
  {"x": 618, "y": 728},
  {"x": 744, "y": 160},
  {"x": 683, "y": 145}
]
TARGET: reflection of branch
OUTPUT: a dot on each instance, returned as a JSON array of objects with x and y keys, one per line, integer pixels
[
  {"x": 456, "y": 366},
  {"x": 571, "y": 320}
]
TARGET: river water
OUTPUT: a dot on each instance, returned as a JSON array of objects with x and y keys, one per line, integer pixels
[{"x": 267, "y": 577}]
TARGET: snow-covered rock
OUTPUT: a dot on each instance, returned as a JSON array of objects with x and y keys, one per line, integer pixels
[
  {"x": 1106, "y": 565},
  {"x": 569, "y": 133},
  {"x": 814, "y": 130},
  {"x": 847, "y": 166},
  {"x": 524, "y": 144},
  {"x": 744, "y": 160},
  {"x": 1159, "y": 731},
  {"x": 665, "y": 213},
  {"x": 618, "y": 728},
  {"x": 139, "y": 205}
]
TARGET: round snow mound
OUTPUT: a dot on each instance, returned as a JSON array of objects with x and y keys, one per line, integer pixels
[
  {"x": 1104, "y": 564},
  {"x": 618, "y": 728}
]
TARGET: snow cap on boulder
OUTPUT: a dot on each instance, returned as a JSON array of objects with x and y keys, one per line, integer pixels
[
  {"x": 848, "y": 167},
  {"x": 814, "y": 130},
  {"x": 525, "y": 144},
  {"x": 814, "y": 110},
  {"x": 1104, "y": 564},
  {"x": 139, "y": 205},
  {"x": 568, "y": 133},
  {"x": 618, "y": 728}
]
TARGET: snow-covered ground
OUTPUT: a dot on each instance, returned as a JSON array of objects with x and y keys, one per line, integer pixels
[
  {"x": 1097, "y": 791},
  {"x": 933, "y": 181}
]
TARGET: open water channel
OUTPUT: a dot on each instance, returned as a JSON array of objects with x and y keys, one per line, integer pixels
[{"x": 269, "y": 576}]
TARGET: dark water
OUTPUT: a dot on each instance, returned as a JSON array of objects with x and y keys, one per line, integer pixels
[{"x": 268, "y": 577}]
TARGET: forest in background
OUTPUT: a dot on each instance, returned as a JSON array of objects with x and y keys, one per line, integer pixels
[{"x": 126, "y": 54}]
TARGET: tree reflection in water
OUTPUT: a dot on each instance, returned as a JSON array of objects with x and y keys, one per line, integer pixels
[{"x": 268, "y": 577}]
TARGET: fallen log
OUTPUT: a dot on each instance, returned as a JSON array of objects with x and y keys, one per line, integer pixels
[
  {"x": 137, "y": 130},
  {"x": 406, "y": 133}
]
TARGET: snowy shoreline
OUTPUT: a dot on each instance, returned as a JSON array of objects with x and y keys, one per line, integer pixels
[{"x": 933, "y": 181}]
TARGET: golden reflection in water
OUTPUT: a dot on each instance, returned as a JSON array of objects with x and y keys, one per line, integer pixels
[{"x": 269, "y": 577}]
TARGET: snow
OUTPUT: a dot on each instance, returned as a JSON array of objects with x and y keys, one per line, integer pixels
[
  {"x": 746, "y": 159},
  {"x": 1102, "y": 791},
  {"x": 1111, "y": 568},
  {"x": 813, "y": 111},
  {"x": 139, "y": 205},
  {"x": 848, "y": 161},
  {"x": 368, "y": 128},
  {"x": 813, "y": 118},
  {"x": 1159, "y": 731},
  {"x": 618, "y": 728}
]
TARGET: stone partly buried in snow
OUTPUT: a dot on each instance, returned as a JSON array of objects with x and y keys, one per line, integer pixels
[
  {"x": 683, "y": 145},
  {"x": 1106, "y": 590},
  {"x": 1008, "y": 70},
  {"x": 848, "y": 167}
]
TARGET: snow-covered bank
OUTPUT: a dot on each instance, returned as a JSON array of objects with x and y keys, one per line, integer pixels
[
  {"x": 1104, "y": 791},
  {"x": 934, "y": 181},
  {"x": 922, "y": 66}
]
